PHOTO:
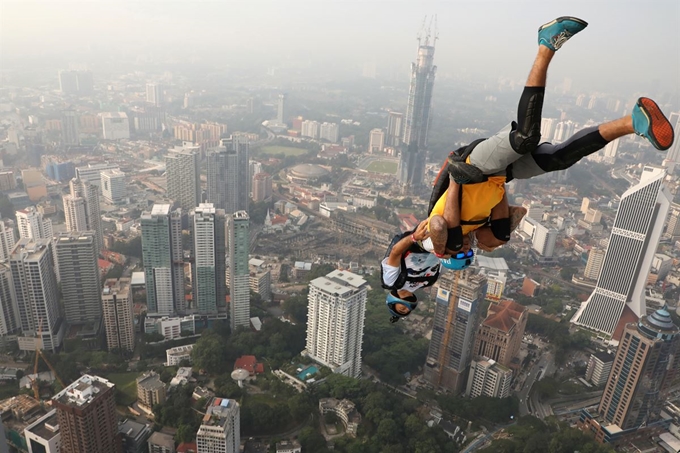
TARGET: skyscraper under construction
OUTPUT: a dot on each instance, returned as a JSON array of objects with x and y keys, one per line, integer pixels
[{"x": 417, "y": 119}]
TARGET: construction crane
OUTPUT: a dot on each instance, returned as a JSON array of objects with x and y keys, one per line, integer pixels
[{"x": 39, "y": 354}]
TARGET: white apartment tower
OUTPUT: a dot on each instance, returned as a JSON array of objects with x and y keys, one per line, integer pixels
[
  {"x": 238, "y": 230},
  {"x": 220, "y": 430},
  {"x": 35, "y": 285},
  {"x": 182, "y": 171},
  {"x": 32, "y": 225},
  {"x": 310, "y": 129},
  {"x": 594, "y": 264},
  {"x": 395, "y": 121},
  {"x": 634, "y": 238},
  {"x": 7, "y": 239},
  {"x": 228, "y": 175},
  {"x": 79, "y": 276},
  {"x": 335, "y": 323},
  {"x": 118, "y": 315},
  {"x": 376, "y": 140},
  {"x": 113, "y": 185},
  {"x": 488, "y": 378},
  {"x": 208, "y": 231},
  {"x": 115, "y": 126},
  {"x": 544, "y": 240},
  {"x": 82, "y": 212},
  {"x": 330, "y": 132},
  {"x": 154, "y": 94}
]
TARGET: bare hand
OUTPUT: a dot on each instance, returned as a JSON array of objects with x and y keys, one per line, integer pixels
[{"x": 421, "y": 232}]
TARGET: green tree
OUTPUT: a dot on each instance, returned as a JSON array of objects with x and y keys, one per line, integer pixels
[{"x": 209, "y": 353}]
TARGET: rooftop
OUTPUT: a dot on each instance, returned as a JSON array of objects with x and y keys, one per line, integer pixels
[
  {"x": 498, "y": 264},
  {"x": 83, "y": 391},
  {"x": 162, "y": 440},
  {"x": 180, "y": 350},
  {"x": 46, "y": 427},
  {"x": 504, "y": 315},
  {"x": 339, "y": 282},
  {"x": 218, "y": 412},
  {"x": 150, "y": 381}
]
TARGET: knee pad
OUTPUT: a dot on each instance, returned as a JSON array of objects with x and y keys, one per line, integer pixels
[
  {"x": 524, "y": 143},
  {"x": 454, "y": 239},
  {"x": 501, "y": 229}
]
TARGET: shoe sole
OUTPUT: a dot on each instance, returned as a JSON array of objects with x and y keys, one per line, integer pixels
[
  {"x": 471, "y": 175},
  {"x": 562, "y": 19},
  {"x": 660, "y": 129}
]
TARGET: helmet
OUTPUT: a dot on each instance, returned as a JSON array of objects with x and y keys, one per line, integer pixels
[
  {"x": 459, "y": 261},
  {"x": 393, "y": 298}
]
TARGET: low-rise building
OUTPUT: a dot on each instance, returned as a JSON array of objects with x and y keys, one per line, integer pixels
[
  {"x": 150, "y": 389},
  {"x": 134, "y": 436},
  {"x": 161, "y": 443},
  {"x": 346, "y": 412},
  {"x": 174, "y": 356},
  {"x": 288, "y": 446}
]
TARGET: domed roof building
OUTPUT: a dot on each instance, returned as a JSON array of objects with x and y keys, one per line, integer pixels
[{"x": 305, "y": 173}]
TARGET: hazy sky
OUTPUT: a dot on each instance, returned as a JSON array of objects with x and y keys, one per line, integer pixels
[{"x": 626, "y": 42}]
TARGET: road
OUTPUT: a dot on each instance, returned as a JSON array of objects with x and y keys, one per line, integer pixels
[
  {"x": 480, "y": 441},
  {"x": 543, "y": 364}
]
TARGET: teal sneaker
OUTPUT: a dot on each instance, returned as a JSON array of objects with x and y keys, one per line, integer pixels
[
  {"x": 650, "y": 122},
  {"x": 555, "y": 33}
]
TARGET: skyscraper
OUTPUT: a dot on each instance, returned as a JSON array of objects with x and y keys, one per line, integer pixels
[
  {"x": 154, "y": 94},
  {"x": 70, "y": 134},
  {"x": 417, "y": 119},
  {"x": 455, "y": 321},
  {"x": 209, "y": 250},
  {"x": 182, "y": 171},
  {"x": 163, "y": 260},
  {"x": 488, "y": 378},
  {"x": 9, "y": 311},
  {"x": 376, "y": 140},
  {"x": 673, "y": 228},
  {"x": 81, "y": 209},
  {"x": 228, "y": 175},
  {"x": 634, "y": 238},
  {"x": 262, "y": 187},
  {"x": 86, "y": 411},
  {"x": 329, "y": 131},
  {"x": 79, "y": 277},
  {"x": 32, "y": 225},
  {"x": 35, "y": 286},
  {"x": 644, "y": 369},
  {"x": 395, "y": 121},
  {"x": 499, "y": 336},
  {"x": 281, "y": 114},
  {"x": 239, "y": 272},
  {"x": 220, "y": 430},
  {"x": 7, "y": 239},
  {"x": 113, "y": 185},
  {"x": 672, "y": 159},
  {"x": 310, "y": 129},
  {"x": 118, "y": 315},
  {"x": 544, "y": 240},
  {"x": 335, "y": 321}
]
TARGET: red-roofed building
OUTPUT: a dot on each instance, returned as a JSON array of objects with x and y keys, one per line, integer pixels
[
  {"x": 104, "y": 266},
  {"x": 250, "y": 364},
  {"x": 407, "y": 222},
  {"x": 187, "y": 447},
  {"x": 114, "y": 257},
  {"x": 500, "y": 335}
]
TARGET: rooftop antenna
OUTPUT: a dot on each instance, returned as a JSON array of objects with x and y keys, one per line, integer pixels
[
  {"x": 436, "y": 32},
  {"x": 421, "y": 32}
]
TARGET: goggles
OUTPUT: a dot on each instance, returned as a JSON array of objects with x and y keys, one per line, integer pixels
[
  {"x": 459, "y": 261},
  {"x": 392, "y": 300}
]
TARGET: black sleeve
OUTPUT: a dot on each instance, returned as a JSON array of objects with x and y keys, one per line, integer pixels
[{"x": 501, "y": 229}]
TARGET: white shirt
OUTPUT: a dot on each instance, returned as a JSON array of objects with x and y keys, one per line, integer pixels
[{"x": 418, "y": 265}]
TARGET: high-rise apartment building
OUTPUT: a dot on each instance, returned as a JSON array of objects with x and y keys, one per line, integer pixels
[
  {"x": 79, "y": 277},
  {"x": 92, "y": 173},
  {"x": 35, "y": 286},
  {"x": 182, "y": 171},
  {"x": 228, "y": 175},
  {"x": 70, "y": 134},
  {"x": 417, "y": 118},
  {"x": 488, "y": 378},
  {"x": 544, "y": 240},
  {"x": 644, "y": 369},
  {"x": 634, "y": 238},
  {"x": 9, "y": 311},
  {"x": 673, "y": 228},
  {"x": 594, "y": 264},
  {"x": 548, "y": 128},
  {"x": 455, "y": 321},
  {"x": 86, "y": 412},
  {"x": 500, "y": 335},
  {"x": 82, "y": 211},
  {"x": 564, "y": 130},
  {"x": 118, "y": 315},
  {"x": 335, "y": 321},
  {"x": 310, "y": 129},
  {"x": 113, "y": 186},
  {"x": 7, "y": 239},
  {"x": 154, "y": 94},
  {"x": 209, "y": 250},
  {"x": 238, "y": 227},
  {"x": 376, "y": 140},
  {"x": 163, "y": 260},
  {"x": 115, "y": 126},
  {"x": 150, "y": 389},
  {"x": 220, "y": 430},
  {"x": 7, "y": 181},
  {"x": 32, "y": 225},
  {"x": 262, "y": 187},
  {"x": 330, "y": 132},
  {"x": 395, "y": 120},
  {"x": 599, "y": 367}
]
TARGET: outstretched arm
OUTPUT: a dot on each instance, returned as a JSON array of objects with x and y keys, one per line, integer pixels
[{"x": 394, "y": 259}]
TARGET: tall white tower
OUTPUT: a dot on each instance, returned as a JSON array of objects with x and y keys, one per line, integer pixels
[
  {"x": 220, "y": 430},
  {"x": 335, "y": 321},
  {"x": 32, "y": 225},
  {"x": 239, "y": 272},
  {"x": 635, "y": 236},
  {"x": 82, "y": 212},
  {"x": 208, "y": 231}
]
